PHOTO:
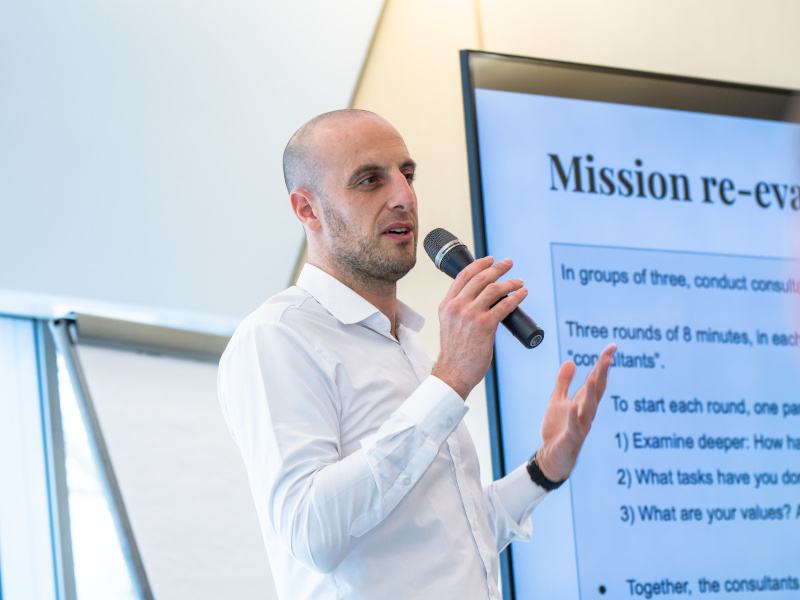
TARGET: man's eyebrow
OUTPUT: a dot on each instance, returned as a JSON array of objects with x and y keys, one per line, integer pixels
[{"x": 409, "y": 163}]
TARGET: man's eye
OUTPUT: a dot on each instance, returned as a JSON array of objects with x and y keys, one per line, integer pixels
[
  {"x": 371, "y": 180},
  {"x": 410, "y": 176}
]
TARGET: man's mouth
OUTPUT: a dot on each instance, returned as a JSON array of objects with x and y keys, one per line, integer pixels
[{"x": 399, "y": 231}]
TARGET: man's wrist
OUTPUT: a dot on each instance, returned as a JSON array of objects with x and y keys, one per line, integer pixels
[
  {"x": 539, "y": 477},
  {"x": 446, "y": 376}
]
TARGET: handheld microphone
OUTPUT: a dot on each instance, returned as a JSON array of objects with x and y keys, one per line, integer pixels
[{"x": 451, "y": 255}]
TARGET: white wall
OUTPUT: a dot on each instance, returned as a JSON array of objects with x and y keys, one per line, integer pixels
[{"x": 141, "y": 141}]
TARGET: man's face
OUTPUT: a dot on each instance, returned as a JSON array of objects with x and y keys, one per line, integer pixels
[{"x": 369, "y": 207}]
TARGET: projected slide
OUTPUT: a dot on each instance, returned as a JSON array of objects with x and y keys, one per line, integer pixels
[{"x": 671, "y": 233}]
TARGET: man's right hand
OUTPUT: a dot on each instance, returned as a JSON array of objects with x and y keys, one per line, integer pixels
[{"x": 468, "y": 318}]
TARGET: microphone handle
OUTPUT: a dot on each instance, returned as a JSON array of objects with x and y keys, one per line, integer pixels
[{"x": 524, "y": 328}]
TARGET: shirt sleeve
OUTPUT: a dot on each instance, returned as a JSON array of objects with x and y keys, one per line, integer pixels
[
  {"x": 281, "y": 404},
  {"x": 511, "y": 501}
]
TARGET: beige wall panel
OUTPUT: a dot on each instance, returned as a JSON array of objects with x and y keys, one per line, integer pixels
[{"x": 736, "y": 40}]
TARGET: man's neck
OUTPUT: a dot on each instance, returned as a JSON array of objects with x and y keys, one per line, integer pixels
[{"x": 381, "y": 294}]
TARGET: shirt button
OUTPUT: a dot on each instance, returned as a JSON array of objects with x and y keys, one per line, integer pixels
[{"x": 405, "y": 480}]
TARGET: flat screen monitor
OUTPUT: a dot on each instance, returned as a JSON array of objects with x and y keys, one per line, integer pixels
[{"x": 661, "y": 214}]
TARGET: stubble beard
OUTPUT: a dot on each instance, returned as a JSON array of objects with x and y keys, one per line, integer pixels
[{"x": 361, "y": 255}]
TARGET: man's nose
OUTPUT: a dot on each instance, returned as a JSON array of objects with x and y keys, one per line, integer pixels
[{"x": 403, "y": 195}]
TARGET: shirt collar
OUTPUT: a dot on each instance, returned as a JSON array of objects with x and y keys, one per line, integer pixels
[{"x": 345, "y": 304}]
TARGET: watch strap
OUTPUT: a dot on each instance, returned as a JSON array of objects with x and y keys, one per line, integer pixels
[{"x": 540, "y": 478}]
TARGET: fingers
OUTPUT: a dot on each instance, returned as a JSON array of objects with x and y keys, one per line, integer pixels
[
  {"x": 594, "y": 387},
  {"x": 602, "y": 367},
  {"x": 483, "y": 278},
  {"x": 588, "y": 402},
  {"x": 495, "y": 291},
  {"x": 477, "y": 285},
  {"x": 502, "y": 309},
  {"x": 466, "y": 275},
  {"x": 564, "y": 378}
]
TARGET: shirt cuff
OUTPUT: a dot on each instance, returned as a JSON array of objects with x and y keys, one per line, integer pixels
[
  {"x": 519, "y": 494},
  {"x": 435, "y": 407}
]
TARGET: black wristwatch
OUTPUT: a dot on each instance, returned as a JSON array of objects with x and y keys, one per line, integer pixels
[{"x": 540, "y": 478}]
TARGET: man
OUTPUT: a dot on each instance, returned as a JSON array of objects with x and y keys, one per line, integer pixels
[{"x": 365, "y": 479}]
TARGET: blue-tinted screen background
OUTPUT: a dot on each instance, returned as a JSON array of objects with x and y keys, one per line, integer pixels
[{"x": 627, "y": 524}]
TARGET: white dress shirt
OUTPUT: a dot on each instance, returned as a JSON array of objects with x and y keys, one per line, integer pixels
[{"x": 366, "y": 481}]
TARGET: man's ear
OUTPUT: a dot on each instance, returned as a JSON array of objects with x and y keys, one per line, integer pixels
[{"x": 305, "y": 207}]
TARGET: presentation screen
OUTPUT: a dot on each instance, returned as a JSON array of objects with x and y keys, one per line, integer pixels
[{"x": 661, "y": 214}]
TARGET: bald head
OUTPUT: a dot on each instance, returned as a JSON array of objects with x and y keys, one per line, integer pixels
[{"x": 302, "y": 163}]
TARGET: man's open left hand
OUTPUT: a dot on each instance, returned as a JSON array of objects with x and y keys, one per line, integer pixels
[{"x": 566, "y": 422}]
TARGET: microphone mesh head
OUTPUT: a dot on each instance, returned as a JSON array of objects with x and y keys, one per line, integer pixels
[{"x": 435, "y": 240}]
